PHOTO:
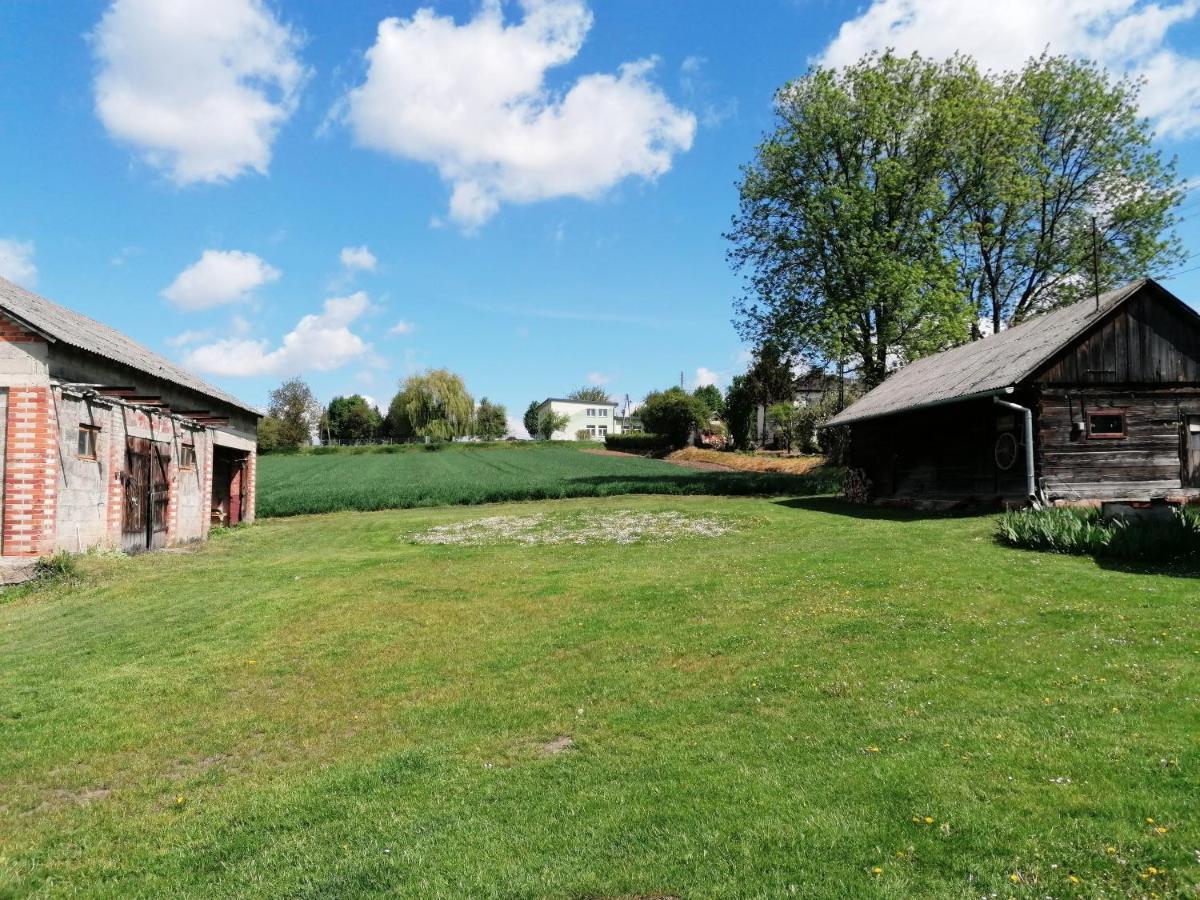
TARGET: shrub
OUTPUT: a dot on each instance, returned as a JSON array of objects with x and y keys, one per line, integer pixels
[
  {"x": 584, "y": 435},
  {"x": 673, "y": 414},
  {"x": 637, "y": 442},
  {"x": 1087, "y": 532},
  {"x": 61, "y": 567}
]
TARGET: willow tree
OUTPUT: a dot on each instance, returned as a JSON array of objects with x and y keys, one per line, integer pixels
[{"x": 433, "y": 405}]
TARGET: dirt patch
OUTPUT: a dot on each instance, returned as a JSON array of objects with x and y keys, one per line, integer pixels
[
  {"x": 746, "y": 462},
  {"x": 560, "y": 744}
]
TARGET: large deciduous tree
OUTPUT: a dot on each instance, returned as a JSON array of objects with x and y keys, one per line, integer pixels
[
  {"x": 530, "y": 419},
  {"x": 433, "y": 405},
  {"x": 491, "y": 420},
  {"x": 351, "y": 419},
  {"x": 296, "y": 415},
  {"x": 589, "y": 394},
  {"x": 899, "y": 200},
  {"x": 1038, "y": 155}
]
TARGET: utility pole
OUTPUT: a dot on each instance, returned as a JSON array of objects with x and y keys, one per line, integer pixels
[
  {"x": 1095, "y": 264},
  {"x": 681, "y": 379}
]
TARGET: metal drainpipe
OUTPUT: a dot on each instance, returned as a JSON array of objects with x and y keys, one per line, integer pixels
[{"x": 1030, "y": 481}]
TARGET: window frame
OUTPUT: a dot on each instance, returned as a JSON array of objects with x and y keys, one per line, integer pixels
[
  {"x": 591, "y": 412},
  {"x": 1107, "y": 436},
  {"x": 602, "y": 412},
  {"x": 91, "y": 431},
  {"x": 186, "y": 465}
]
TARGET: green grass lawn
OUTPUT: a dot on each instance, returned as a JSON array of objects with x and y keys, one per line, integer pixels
[
  {"x": 297, "y": 484},
  {"x": 320, "y": 707}
]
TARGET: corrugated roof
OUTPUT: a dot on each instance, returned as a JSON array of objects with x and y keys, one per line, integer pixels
[
  {"x": 986, "y": 366},
  {"x": 65, "y": 325}
]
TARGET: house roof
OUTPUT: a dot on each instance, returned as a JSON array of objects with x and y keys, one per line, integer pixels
[
  {"x": 57, "y": 323},
  {"x": 988, "y": 366},
  {"x": 580, "y": 402}
]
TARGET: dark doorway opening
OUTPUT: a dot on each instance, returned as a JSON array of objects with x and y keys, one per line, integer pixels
[
  {"x": 1191, "y": 451},
  {"x": 147, "y": 493},
  {"x": 229, "y": 485}
]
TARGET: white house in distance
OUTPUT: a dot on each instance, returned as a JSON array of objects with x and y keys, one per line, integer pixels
[{"x": 597, "y": 419}]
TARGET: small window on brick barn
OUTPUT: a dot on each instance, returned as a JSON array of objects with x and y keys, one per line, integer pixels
[
  {"x": 187, "y": 456},
  {"x": 1106, "y": 424},
  {"x": 87, "y": 441}
]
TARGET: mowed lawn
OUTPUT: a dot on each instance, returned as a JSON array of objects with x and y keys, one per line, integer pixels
[
  {"x": 824, "y": 702},
  {"x": 297, "y": 484}
]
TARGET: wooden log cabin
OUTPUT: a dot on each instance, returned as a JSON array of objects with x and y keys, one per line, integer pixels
[{"x": 1097, "y": 401}]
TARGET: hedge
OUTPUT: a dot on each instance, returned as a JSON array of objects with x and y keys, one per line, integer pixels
[{"x": 637, "y": 442}]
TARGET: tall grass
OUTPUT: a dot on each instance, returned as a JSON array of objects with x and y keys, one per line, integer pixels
[
  {"x": 1088, "y": 532},
  {"x": 300, "y": 484}
]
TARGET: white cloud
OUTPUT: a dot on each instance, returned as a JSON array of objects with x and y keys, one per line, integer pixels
[
  {"x": 16, "y": 262},
  {"x": 320, "y": 342},
  {"x": 198, "y": 87},
  {"x": 219, "y": 277},
  {"x": 402, "y": 327},
  {"x": 472, "y": 100},
  {"x": 598, "y": 378},
  {"x": 186, "y": 338},
  {"x": 358, "y": 259},
  {"x": 705, "y": 376},
  {"x": 1126, "y": 36}
]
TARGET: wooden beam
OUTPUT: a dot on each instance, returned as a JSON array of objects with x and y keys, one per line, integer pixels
[
  {"x": 195, "y": 413},
  {"x": 116, "y": 391}
]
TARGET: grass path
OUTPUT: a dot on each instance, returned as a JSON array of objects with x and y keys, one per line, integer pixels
[{"x": 318, "y": 707}]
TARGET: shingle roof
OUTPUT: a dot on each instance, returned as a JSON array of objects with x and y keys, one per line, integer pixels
[
  {"x": 61, "y": 324},
  {"x": 987, "y": 366}
]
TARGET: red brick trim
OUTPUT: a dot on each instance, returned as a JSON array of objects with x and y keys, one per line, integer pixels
[{"x": 30, "y": 473}]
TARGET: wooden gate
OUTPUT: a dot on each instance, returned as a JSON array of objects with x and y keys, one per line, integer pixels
[
  {"x": 147, "y": 492},
  {"x": 1191, "y": 451}
]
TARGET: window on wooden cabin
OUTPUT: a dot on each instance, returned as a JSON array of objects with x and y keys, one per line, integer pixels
[
  {"x": 187, "y": 456},
  {"x": 1106, "y": 424},
  {"x": 87, "y": 441}
]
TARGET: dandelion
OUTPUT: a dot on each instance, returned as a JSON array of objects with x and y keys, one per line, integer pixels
[
  {"x": 929, "y": 820},
  {"x": 179, "y": 801},
  {"x": 1074, "y": 879},
  {"x": 872, "y": 750},
  {"x": 1014, "y": 878},
  {"x": 1160, "y": 830},
  {"x": 877, "y": 870},
  {"x": 251, "y": 662},
  {"x": 1111, "y": 851},
  {"x": 1149, "y": 821}
]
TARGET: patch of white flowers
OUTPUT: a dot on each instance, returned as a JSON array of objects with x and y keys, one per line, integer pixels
[{"x": 620, "y": 527}]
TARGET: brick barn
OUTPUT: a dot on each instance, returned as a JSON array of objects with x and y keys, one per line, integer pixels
[{"x": 105, "y": 444}]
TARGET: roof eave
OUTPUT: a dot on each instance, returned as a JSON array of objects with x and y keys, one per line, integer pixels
[{"x": 933, "y": 404}]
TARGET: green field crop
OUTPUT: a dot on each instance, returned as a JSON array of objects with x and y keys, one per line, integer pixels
[{"x": 298, "y": 484}]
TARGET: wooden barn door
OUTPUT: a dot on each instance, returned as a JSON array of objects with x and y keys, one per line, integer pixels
[
  {"x": 1191, "y": 451},
  {"x": 147, "y": 486}
]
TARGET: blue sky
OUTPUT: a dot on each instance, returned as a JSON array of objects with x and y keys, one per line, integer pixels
[{"x": 529, "y": 194}]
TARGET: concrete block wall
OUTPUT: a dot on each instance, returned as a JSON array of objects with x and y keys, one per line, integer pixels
[
  {"x": 249, "y": 494},
  {"x": 83, "y": 518}
]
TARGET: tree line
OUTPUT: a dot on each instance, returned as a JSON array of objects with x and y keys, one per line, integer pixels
[{"x": 434, "y": 405}]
